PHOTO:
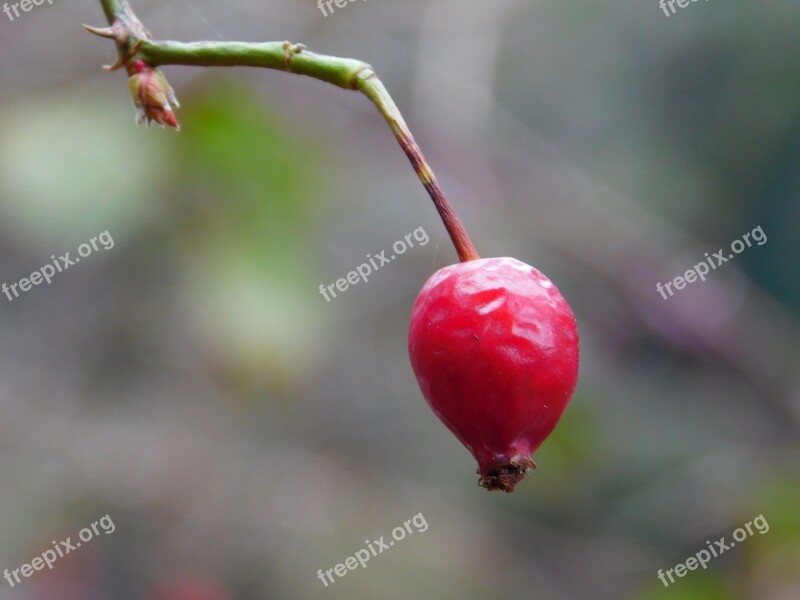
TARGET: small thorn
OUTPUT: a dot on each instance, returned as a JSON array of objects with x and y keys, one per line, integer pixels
[
  {"x": 117, "y": 32},
  {"x": 115, "y": 67},
  {"x": 123, "y": 60},
  {"x": 106, "y": 32}
]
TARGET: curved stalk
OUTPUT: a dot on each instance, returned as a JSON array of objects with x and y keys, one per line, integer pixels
[{"x": 134, "y": 42}]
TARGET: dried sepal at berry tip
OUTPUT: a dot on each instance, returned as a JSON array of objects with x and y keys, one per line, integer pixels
[{"x": 152, "y": 95}]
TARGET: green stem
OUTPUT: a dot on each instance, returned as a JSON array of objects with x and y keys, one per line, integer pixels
[
  {"x": 346, "y": 73},
  {"x": 112, "y": 8}
]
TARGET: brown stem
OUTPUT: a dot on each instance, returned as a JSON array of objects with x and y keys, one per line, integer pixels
[{"x": 372, "y": 87}]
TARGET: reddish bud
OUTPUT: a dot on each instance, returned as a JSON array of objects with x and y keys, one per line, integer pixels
[
  {"x": 152, "y": 95},
  {"x": 494, "y": 346}
]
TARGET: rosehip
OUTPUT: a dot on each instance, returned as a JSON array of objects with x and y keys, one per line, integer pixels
[{"x": 494, "y": 346}]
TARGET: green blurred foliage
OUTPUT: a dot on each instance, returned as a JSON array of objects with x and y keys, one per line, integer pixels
[{"x": 246, "y": 188}]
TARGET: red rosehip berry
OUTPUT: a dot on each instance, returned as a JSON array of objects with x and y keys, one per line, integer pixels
[{"x": 494, "y": 346}]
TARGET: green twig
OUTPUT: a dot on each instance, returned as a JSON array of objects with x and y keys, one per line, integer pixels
[{"x": 134, "y": 42}]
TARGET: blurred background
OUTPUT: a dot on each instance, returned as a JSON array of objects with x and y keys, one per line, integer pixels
[{"x": 242, "y": 433}]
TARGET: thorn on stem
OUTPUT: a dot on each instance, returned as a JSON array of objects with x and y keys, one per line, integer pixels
[
  {"x": 106, "y": 32},
  {"x": 122, "y": 61},
  {"x": 117, "y": 32}
]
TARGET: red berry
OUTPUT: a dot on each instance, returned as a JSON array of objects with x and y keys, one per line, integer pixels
[{"x": 494, "y": 346}]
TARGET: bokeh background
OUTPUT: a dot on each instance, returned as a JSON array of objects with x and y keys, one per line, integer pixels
[{"x": 242, "y": 432}]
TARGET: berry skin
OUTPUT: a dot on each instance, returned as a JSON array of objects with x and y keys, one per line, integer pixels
[{"x": 495, "y": 347}]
